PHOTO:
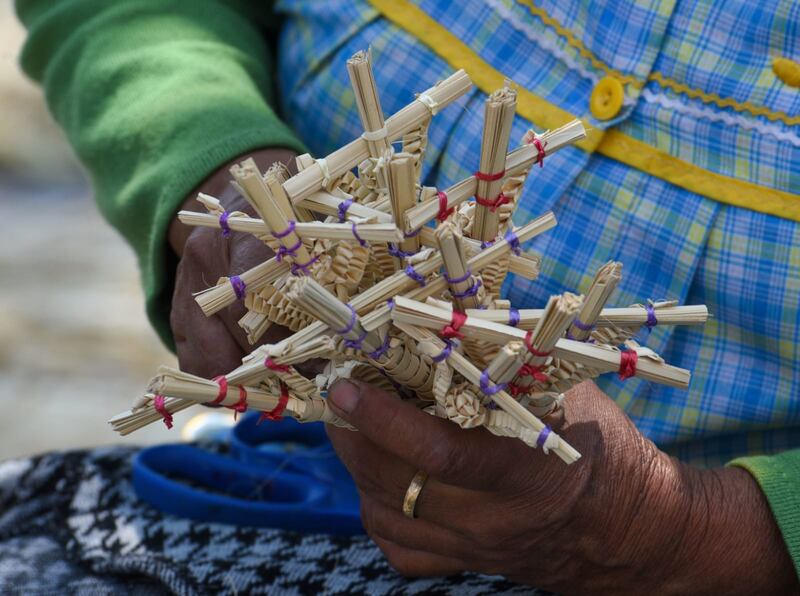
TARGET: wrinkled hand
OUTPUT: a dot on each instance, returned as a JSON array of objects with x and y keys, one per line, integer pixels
[
  {"x": 625, "y": 518},
  {"x": 211, "y": 346}
]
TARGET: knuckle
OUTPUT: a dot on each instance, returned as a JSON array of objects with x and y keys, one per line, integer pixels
[
  {"x": 195, "y": 248},
  {"x": 446, "y": 460},
  {"x": 201, "y": 243}
]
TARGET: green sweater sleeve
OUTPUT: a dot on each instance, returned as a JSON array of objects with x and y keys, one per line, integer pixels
[
  {"x": 779, "y": 478},
  {"x": 154, "y": 95}
]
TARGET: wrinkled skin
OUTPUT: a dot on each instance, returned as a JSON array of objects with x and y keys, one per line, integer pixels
[
  {"x": 624, "y": 519},
  {"x": 211, "y": 346}
]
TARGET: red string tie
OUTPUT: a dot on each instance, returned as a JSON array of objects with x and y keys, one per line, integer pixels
[
  {"x": 540, "y": 157},
  {"x": 501, "y": 199},
  {"x": 627, "y": 364},
  {"x": 490, "y": 177},
  {"x": 516, "y": 390},
  {"x": 531, "y": 349},
  {"x": 457, "y": 320},
  {"x": 161, "y": 408},
  {"x": 241, "y": 405},
  {"x": 444, "y": 210},
  {"x": 276, "y": 412},
  {"x": 222, "y": 393},
  {"x": 274, "y": 366},
  {"x": 533, "y": 371}
]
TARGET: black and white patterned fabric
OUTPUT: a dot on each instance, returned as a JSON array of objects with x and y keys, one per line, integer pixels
[{"x": 71, "y": 523}]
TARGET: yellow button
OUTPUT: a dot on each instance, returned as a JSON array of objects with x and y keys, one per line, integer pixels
[
  {"x": 787, "y": 70},
  {"x": 607, "y": 97}
]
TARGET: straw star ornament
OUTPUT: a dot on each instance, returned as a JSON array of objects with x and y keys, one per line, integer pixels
[{"x": 398, "y": 284}]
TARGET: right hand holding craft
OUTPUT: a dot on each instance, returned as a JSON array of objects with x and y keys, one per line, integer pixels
[{"x": 624, "y": 519}]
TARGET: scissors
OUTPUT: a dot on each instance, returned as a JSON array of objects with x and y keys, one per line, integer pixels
[{"x": 280, "y": 474}]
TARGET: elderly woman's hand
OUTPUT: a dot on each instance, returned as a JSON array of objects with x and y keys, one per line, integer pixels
[
  {"x": 625, "y": 518},
  {"x": 210, "y": 346}
]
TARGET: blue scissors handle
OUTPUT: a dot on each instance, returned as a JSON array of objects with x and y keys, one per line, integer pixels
[{"x": 269, "y": 482}]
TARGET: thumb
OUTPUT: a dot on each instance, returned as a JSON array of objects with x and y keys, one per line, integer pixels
[{"x": 442, "y": 449}]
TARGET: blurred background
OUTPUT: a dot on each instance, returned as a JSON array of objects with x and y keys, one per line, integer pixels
[{"x": 75, "y": 345}]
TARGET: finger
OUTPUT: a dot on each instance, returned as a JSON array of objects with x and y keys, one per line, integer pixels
[
  {"x": 205, "y": 347},
  {"x": 375, "y": 471},
  {"x": 207, "y": 257},
  {"x": 230, "y": 317},
  {"x": 418, "y": 534},
  {"x": 418, "y": 563},
  {"x": 385, "y": 478},
  {"x": 469, "y": 458},
  {"x": 204, "y": 344}
]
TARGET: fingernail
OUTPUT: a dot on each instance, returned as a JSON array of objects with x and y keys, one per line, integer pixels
[{"x": 344, "y": 395}]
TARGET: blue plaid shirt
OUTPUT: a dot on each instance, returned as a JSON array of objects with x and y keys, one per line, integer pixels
[{"x": 690, "y": 181}]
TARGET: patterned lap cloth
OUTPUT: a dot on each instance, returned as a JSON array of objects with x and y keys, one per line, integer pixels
[
  {"x": 70, "y": 523},
  {"x": 674, "y": 243}
]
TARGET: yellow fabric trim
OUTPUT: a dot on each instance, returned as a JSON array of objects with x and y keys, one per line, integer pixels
[
  {"x": 576, "y": 43},
  {"x": 417, "y": 22},
  {"x": 724, "y": 102},
  {"x": 657, "y": 77},
  {"x": 613, "y": 144},
  {"x": 724, "y": 189}
]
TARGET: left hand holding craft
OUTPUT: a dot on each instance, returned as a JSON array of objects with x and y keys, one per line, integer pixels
[{"x": 625, "y": 518}]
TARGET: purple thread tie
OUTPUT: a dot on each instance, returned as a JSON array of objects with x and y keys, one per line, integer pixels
[
  {"x": 382, "y": 350},
  {"x": 458, "y": 280},
  {"x": 445, "y": 353},
  {"x": 396, "y": 252},
  {"x": 351, "y": 324},
  {"x": 412, "y": 234},
  {"x": 486, "y": 244},
  {"x": 513, "y": 241},
  {"x": 513, "y": 317},
  {"x": 652, "y": 321},
  {"x": 411, "y": 272},
  {"x": 543, "y": 434},
  {"x": 342, "y": 209},
  {"x": 361, "y": 241},
  {"x": 303, "y": 266},
  {"x": 289, "y": 229},
  {"x": 587, "y": 340},
  {"x": 390, "y": 303},
  {"x": 223, "y": 223},
  {"x": 239, "y": 287},
  {"x": 582, "y": 326},
  {"x": 469, "y": 292},
  {"x": 291, "y": 251},
  {"x": 355, "y": 344},
  {"x": 487, "y": 388}
]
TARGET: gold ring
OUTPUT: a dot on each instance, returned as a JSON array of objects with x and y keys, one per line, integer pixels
[{"x": 412, "y": 494}]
